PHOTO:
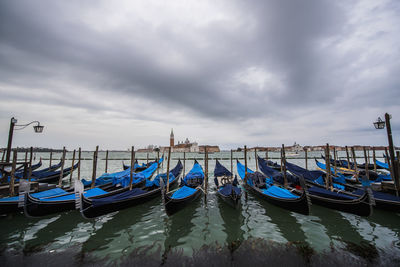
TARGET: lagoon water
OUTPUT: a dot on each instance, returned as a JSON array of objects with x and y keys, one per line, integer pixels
[{"x": 205, "y": 222}]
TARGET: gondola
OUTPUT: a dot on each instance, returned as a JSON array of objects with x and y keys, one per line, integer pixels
[
  {"x": 140, "y": 167},
  {"x": 36, "y": 207},
  {"x": 383, "y": 201},
  {"x": 335, "y": 199},
  {"x": 189, "y": 190},
  {"x": 227, "y": 186},
  {"x": 10, "y": 204},
  {"x": 20, "y": 170},
  {"x": 43, "y": 176},
  {"x": 51, "y": 176},
  {"x": 345, "y": 164},
  {"x": 95, "y": 207},
  {"x": 264, "y": 187},
  {"x": 381, "y": 164},
  {"x": 121, "y": 177}
]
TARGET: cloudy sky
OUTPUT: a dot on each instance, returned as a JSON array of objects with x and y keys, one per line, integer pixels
[{"x": 122, "y": 73}]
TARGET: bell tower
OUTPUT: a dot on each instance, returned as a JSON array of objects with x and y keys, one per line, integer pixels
[{"x": 171, "y": 139}]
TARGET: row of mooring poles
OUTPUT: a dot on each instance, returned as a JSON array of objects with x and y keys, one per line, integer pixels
[{"x": 355, "y": 168}]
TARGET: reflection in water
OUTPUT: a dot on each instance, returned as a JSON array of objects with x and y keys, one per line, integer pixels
[
  {"x": 286, "y": 222},
  {"x": 117, "y": 227},
  {"x": 337, "y": 227},
  {"x": 179, "y": 226},
  {"x": 233, "y": 221},
  {"x": 63, "y": 224},
  {"x": 13, "y": 228},
  {"x": 377, "y": 234}
]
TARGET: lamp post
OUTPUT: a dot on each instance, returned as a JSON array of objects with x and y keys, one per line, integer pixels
[
  {"x": 379, "y": 124},
  {"x": 37, "y": 128}
]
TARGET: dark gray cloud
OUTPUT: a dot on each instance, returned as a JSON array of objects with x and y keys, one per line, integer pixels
[{"x": 262, "y": 60}]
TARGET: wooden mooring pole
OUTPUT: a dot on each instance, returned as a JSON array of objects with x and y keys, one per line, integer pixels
[
  {"x": 348, "y": 158},
  {"x": 79, "y": 164},
  {"x": 12, "y": 179},
  {"x": 245, "y": 164},
  {"x": 106, "y": 169},
  {"x": 168, "y": 162},
  {"x": 366, "y": 163},
  {"x": 283, "y": 167},
  {"x": 72, "y": 168},
  {"x": 354, "y": 162},
  {"x": 132, "y": 165},
  {"x": 62, "y": 168},
  {"x": 232, "y": 162},
  {"x": 51, "y": 157},
  {"x": 184, "y": 164},
  {"x": 255, "y": 157},
  {"x": 306, "y": 158},
  {"x": 328, "y": 168},
  {"x": 94, "y": 170},
  {"x": 30, "y": 163}
]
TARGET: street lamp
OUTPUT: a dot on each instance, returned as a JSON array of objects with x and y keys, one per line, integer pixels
[
  {"x": 37, "y": 128},
  {"x": 380, "y": 125}
]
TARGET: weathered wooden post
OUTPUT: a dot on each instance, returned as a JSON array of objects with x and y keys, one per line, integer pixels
[
  {"x": 26, "y": 156},
  {"x": 72, "y": 168},
  {"x": 184, "y": 164},
  {"x": 79, "y": 165},
  {"x": 12, "y": 178},
  {"x": 106, "y": 169},
  {"x": 255, "y": 157},
  {"x": 392, "y": 153},
  {"x": 132, "y": 165},
  {"x": 51, "y": 157},
  {"x": 366, "y": 163},
  {"x": 348, "y": 158},
  {"x": 281, "y": 160},
  {"x": 354, "y": 162},
  {"x": 232, "y": 162},
  {"x": 306, "y": 158},
  {"x": 328, "y": 168},
  {"x": 388, "y": 162},
  {"x": 30, "y": 163},
  {"x": 168, "y": 162},
  {"x": 62, "y": 167},
  {"x": 206, "y": 170},
  {"x": 94, "y": 170},
  {"x": 158, "y": 162},
  {"x": 283, "y": 166},
  {"x": 335, "y": 163},
  {"x": 245, "y": 163},
  {"x": 266, "y": 154},
  {"x": 374, "y": 158}
]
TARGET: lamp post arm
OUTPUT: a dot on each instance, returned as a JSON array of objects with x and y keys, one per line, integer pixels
[{"x": 25, "y": 125}]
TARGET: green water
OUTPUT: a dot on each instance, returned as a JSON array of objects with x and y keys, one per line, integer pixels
[{"x": 205, "y": 222}]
